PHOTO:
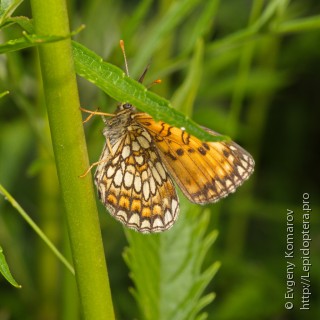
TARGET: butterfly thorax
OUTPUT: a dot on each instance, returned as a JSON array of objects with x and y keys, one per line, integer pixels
[{"x": 120, "y": 123}]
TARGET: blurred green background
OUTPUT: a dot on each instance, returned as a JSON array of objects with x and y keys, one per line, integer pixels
[{"x": 257, "y": 80}]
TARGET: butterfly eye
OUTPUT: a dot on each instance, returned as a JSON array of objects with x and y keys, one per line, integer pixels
[
  {"x": 127, "y": 106},
  {"x": 124, "y": 106}
]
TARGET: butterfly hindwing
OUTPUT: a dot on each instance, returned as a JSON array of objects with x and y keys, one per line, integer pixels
[{"x": 133, "y": 183}]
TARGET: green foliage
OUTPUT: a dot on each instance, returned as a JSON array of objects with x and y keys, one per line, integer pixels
[
  {"x": 36, "y": 229},
  {"x": 7, "y": 7},
  {"x": 185, "y": 95},
  {"x": 174, "y": 14},
  {"x": 5, "y": 271},
  {"x": 28, "y": 40},
  {"x": 2, "y": 94},
  {"x": 167, "y": 268}
]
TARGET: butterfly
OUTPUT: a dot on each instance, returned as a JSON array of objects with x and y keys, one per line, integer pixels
[{"x": 142, "y": 158}]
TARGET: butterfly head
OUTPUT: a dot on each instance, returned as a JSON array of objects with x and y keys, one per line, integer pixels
[{"x": 116, "y": 126}]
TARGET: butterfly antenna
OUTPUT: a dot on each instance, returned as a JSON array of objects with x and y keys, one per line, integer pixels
[
  {"x": 144, "y": 73},
  {"x": 124, "y": 56},
  {"x": 158, "y": 81}
]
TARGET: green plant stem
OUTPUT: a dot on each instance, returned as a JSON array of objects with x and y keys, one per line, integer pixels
[
  {"x": 37, "y": 230},
  {"x": 61, "y": 95}
]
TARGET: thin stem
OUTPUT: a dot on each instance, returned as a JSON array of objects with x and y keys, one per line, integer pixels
[{"x": 37, "y": 230}]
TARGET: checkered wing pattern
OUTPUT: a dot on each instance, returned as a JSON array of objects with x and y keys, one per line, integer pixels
[{"x": 133, "y": 182}]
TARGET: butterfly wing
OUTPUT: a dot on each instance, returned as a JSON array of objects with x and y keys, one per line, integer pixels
[
  {"x": 205, "y": 171},
  {"x": 133, "y": 183}
]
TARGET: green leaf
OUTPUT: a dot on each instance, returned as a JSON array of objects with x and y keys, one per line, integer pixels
[
  {"x": 299, "y": 25},
  {"x": 133, "y": 22},
  {"x": 167, "y": 268},
  {"x": 202, "y": 24},
  {"x": 7, "y": 7},
  {"x": 29, "y": 40},
  {"x": 2, "y": 94},
  {"x": 24, "y": 22},
  {"x": 5, "y": 271},
  {"x": 115, "y": 83},
  {"x": 184, "y": 97},
  {"x": 242, "y": 36},
  {"x": 175, "y": 14}
]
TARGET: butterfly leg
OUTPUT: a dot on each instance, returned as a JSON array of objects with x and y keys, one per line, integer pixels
[
  {"x": 98, "y": 162},
  {"x": 88, "y": 117},
  {"x": 109, "y": 146},
  {"x": 93, "y": 113},
  {"x": 93, "y": 165}
]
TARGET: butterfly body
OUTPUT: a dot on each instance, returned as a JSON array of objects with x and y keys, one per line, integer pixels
[{"x": 141, "y": 159}]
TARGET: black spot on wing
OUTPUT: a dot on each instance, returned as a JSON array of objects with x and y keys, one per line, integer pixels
[
  {"x": 202, "y": 151},
  {"x": 180, "y": 152}
]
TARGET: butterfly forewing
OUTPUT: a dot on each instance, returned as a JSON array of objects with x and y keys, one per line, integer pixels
[{"x": 205, "y": 171}]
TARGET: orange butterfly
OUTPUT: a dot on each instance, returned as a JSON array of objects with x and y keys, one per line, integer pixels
[{"x": 141, "y": 159}]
